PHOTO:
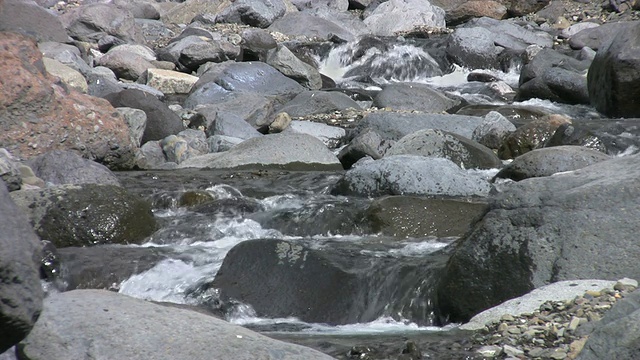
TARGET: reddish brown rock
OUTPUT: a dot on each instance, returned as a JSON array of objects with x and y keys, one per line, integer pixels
[
  {"x": 38, "y": 115},
  {"x": 530, "y": 136},
  {"x": 475, "y": 9}
]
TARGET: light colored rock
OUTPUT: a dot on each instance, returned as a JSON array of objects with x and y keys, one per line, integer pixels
[
  {"x": 280, "y": 123},
  {"x": 527, "y": 304},
  {"x": 100, "y": 324},
  {"x": 136, "y": 119},
  {"x": 289, "y": 151},
  {"x": 170, "y": 82},
  {"x": 67, "y": 74},
  {"x": 329, "y": 135},
  {"x": 404, "y": 15},
  {"x": 411, "y": 175}
]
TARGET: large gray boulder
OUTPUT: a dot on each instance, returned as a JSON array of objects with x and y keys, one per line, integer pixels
[
  {"x": 30, "y": 19},
  {"x": 613, "y": 79},
  {"x": 91, "y": 22},
  {"x": 289, "y": 151},
  {"x": 252, "y": 12},
  {"x": 161, "y": 121},
  {"x": 419, "y": 217},
  {"x": 396, "y": 16},
  {"x": 554, "y": 76},
  {"x": 60, "y": 167},
  {"x": 301, "y": 23},
  {"x": 254, "y": 108},
  {"x": 394, "y": 125},
  {"x": 318, "y": 102},
  {"x": 512, "y": 36},
  {"x": 597, "y": 36},
  {"x": 333, "y": 283},
  {"x": 250, "y": 77},
  {"x": 611, "y": 136},
  {"x": 288, "y": 63},
  {"x": 464, "y": 152},
  {"x": 549, "y": 161},
  {"x": 88, "y": 214},
  {"x": 473, "y": 47},
  {"x": 20, "y": 290},
  {"x": 101, "y": 324},
  {"x": 578, "y": 225},
  {"x": 414, "y": 96},
  {"x": 411, "y": 175}
]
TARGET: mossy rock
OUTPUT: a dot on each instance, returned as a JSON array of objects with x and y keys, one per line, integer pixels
[{"x": 85, "y": 215}]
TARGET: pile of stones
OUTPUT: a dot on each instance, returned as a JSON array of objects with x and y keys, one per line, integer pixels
[{"x": 558, "y": 330}]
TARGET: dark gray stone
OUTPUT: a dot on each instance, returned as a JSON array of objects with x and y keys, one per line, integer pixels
[
  {"x": 414, "y": 96},
  {"x": 254, "y": 109},
  {"x": 66, "y": 54},
  {"x": 418, "y": 217},
  {"x": 367, "y": 143},
  {"x": 161, "y": 121},
  {"x": 464, "y": 152},
  {"x": 474, "y": 48},
  {"x": 107, "y": 266},
  {"x": 314, "y": 218},
  {"x": 288, "y": 63},
  {"x": 336, "y": 283},
  {"x": 101, "y": 82},
  {"x": 61, "y": 167},
  {"x": 125, "y": 64},
  {"x": 610, "y": 136},
  {"x": 511, "y": 36},
  {"x": 410, "y": 175},
  {"x": 250, "y": 77},
  {"x": 204, "y": 94},
  {"x": 300, "y": 23},
  {"x": 395, "y": 125},
  {"x": 10, "y": 170},
  {"x": 613, "y": 79},
  {"x": 548, "y": 161},
  {"x": 493, "y": 132},
  {"x": 88, "y": 214},
  {"x": 26, "y": 17},
  {"x": 554, "y": 76},
  {"x": 92, "y": 22},
  {"x": 102, "y": 324},
  {"x": 318, "y": 102},
  {"x": 578, "y": 225},
  {"x": 255, "y": 44},
  {"x": 21, "y": 293},
  {"x": 256, "y": 13},
  {"x": 595, "y": 37}
]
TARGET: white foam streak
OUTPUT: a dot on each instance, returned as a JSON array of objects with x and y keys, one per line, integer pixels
[{"x": 167, "y": 281}]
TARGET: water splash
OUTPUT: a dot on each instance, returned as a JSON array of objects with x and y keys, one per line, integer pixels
[{"x": 373, "y": 60}]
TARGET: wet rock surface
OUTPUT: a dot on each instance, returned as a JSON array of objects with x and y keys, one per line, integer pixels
[{"x": 264, "y": 87}]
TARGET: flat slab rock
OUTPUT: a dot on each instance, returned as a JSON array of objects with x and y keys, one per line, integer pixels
[
  {"x": 98, "y": 324},
  {"x": 527, "y": 304}
]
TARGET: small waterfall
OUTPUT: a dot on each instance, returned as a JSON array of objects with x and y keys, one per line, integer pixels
[{"x": 379, "y": 61}]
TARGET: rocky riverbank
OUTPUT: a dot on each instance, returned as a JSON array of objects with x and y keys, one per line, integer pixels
[{"x": 336, "y": 162}]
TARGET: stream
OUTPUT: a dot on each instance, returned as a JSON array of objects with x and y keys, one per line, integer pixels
[{"x": 298, "y": 207}]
